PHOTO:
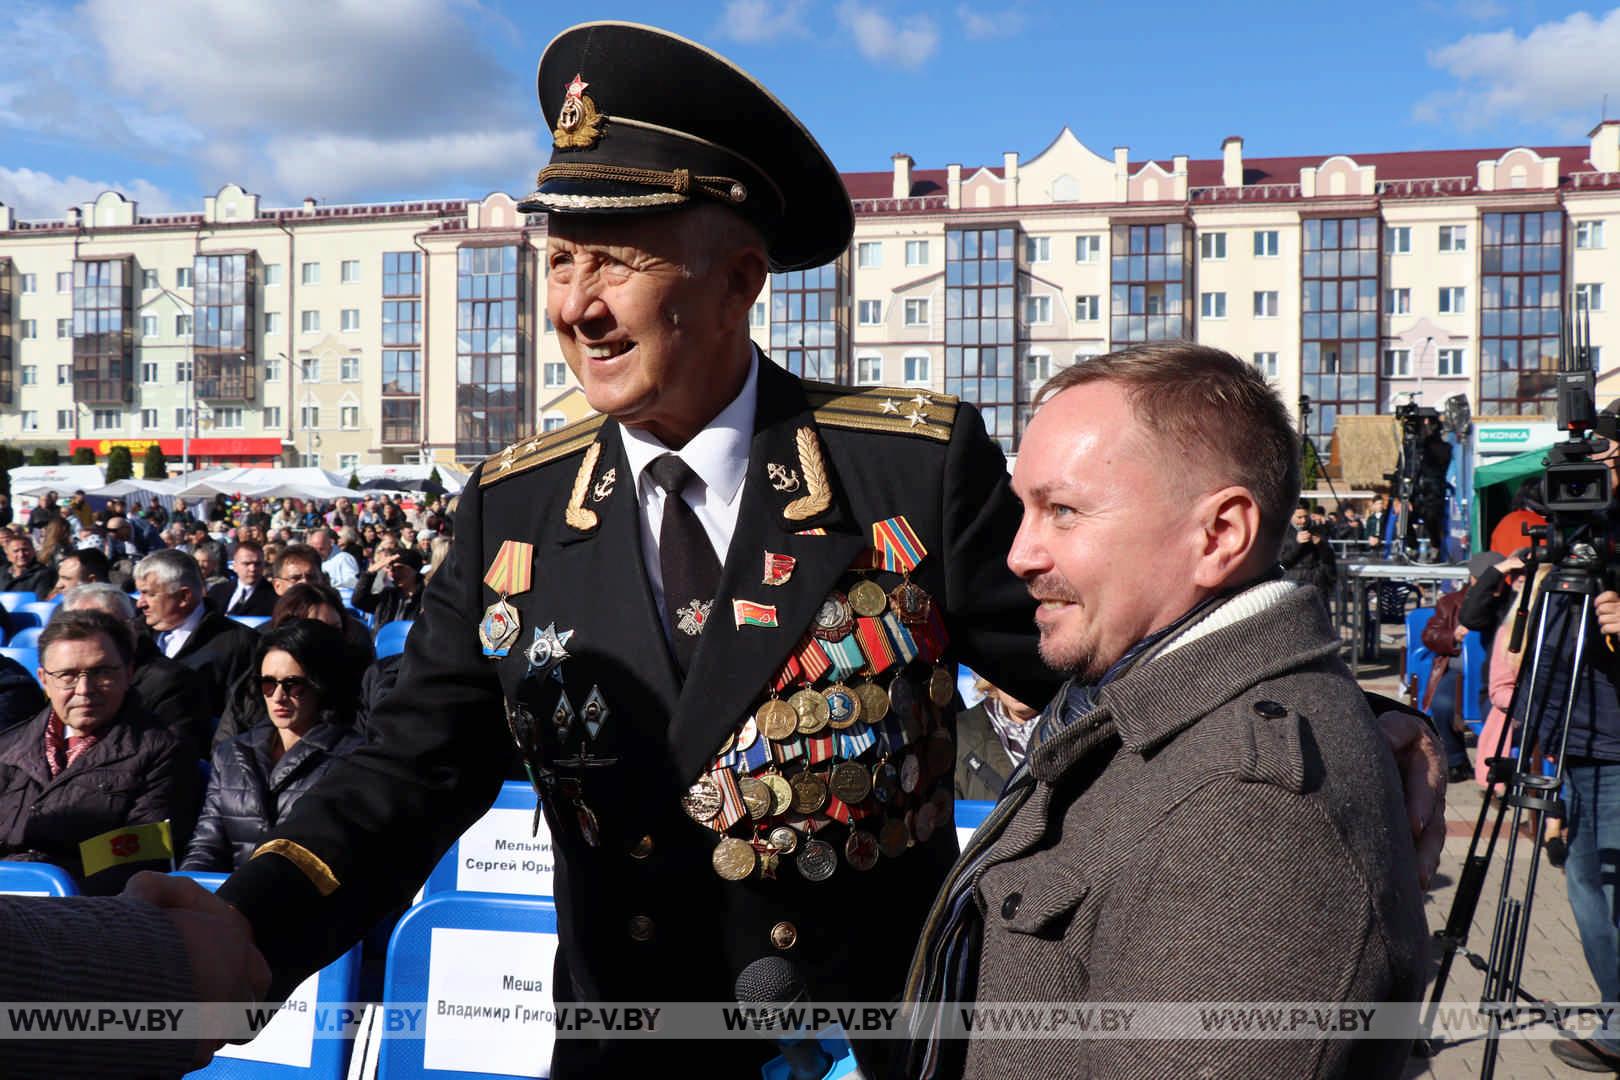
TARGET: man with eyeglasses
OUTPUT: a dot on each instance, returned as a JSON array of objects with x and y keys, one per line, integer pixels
[
  {"x": 297, "y": 564},
  {"x": 250, "y": 593},
  {"x": 92, "y": 761}
]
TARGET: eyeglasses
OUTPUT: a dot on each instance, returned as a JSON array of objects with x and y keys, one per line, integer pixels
[
  {"x": 294, "y": 687},
  {"x": 296, "y": 579},
  {"x": 100, "y": 677}
]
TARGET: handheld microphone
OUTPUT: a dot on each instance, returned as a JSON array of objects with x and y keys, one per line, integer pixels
[{"x": 772, "y": 986}]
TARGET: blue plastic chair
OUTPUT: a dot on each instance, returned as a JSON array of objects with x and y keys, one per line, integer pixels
[
  {"x": 20, "y": 618},
  {"x": 35, "y": 879},
  {"x": 27, "y": 638},
  {"x": 391, "y": 637},
  {"x": 27, "y": 656},
  {"x": 1473, "y": 704},
  {"x": 11, "y": 601},
  {"x": 1419, "y": 657},
  {"x": 44, "y": 609},
  {"x": 249, "y": 620}
]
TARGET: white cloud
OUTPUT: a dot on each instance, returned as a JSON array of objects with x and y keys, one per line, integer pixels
[
  {"x": 338, "y": 166},
  {"x": 980, "y": 25},
  {"x": 905, "y": 42},
  {"x": 1553, "y": 77},
  {"x": 756, "y": 21},
  {"x": 36, "y": 196}
]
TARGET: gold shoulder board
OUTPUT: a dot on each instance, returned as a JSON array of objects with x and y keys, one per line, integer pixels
[
  {"x": 895, "y": 410},
  {"x": 539, "y": 449}
]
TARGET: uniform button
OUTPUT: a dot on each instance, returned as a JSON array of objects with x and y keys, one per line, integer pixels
[
  {"x": 1009, "y": 906},
  {"x": 784, "y": 935},
  {"x": 643, "y": 848},
  {"x": 1270, "y": 710},
  {"x": 641, "y": 928}
]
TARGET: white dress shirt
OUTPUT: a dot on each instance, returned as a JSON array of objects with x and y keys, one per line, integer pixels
[
  {"x": 172, "y": 641},
  {"x": 341, "y": 570},
  {"x": 719, "y": 456}
]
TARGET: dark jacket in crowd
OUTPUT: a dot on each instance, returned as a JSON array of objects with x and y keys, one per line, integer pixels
[
  {"x": 1487, "y": 605},
  {"x": 261, "y": 601},
  {"x": 244, "y": 706},
  {"x": 41, "y": 515},
  {"x": 1309, "y": 564},
  {"x": 20, "y": 695},
  {"x": 1594, "y": 727},
  {"x": 38, "y": 579},
  {"x": 982, "y": 764},
  {"x": 174, "y": 696},
  {"x": 135, "y": 774},
  {"x": 219, "y": 650},
  {"x": 388, "y": 605},
  {"x": 248, "y": 793}
]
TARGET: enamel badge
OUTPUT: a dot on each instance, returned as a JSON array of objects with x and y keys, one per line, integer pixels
[
  {"x": 511, "y": 573},
  {"x": 547, "y": 651},
  {"x": 778, "y": 568},
  {"x": 692, "y": 617},
  {"x": 748, "y": 613},
  {"x": 579, "y": 125}
]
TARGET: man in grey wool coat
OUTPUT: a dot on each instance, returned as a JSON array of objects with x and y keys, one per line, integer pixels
[{"x": 1207, "y": 812}]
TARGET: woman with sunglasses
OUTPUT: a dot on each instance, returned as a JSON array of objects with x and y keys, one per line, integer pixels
[{"x": 309, "y": 692}]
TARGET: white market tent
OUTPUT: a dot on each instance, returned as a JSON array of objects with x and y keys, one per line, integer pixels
[
  {"x": 411, "y": 477},
  {"x": 62, "y": 479},
  {"x": 300, "y": 483}
]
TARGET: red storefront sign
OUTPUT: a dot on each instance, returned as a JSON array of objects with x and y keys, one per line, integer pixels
[{"x": 242, "y": 451}]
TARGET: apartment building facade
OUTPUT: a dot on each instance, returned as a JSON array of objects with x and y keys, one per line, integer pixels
[{"x": 347, "y": 335}]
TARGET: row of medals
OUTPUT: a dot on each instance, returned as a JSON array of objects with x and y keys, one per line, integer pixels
[{"x": 810, "y": 712}]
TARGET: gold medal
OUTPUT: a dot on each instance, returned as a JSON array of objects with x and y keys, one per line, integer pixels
[
  {"x": 861, "y": 850},
  {"x": 703, "y": 801},
  {"x": 850, "y": 782},
  {"x": 811, "y": 711},
  {"x": 781, "y": 793},
  {"x": 894, "y": 838},
  {"x": 733, "y": 859},
  {"x": 756, "y": 797},
  {"x": 874, "y": 702},
  {"x": 777, "y": 719},
  {"x": 885, "y": 781},
  {"x": 843, "y": 707},
  {"x": 941, "y": 687},
  {"x": 868, "y": 599},
  {"x": 809, "y": 793}
]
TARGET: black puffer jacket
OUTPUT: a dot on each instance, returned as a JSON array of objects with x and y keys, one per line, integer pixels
[{"x": 248, "y": 795}]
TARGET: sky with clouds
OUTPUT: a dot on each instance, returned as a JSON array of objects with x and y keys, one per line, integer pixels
[{"x": 166, "y": 100}]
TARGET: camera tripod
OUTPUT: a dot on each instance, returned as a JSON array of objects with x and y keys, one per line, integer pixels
[{"x": 1574, "y": 583}]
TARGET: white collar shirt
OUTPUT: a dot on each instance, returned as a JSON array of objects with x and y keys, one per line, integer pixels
[
  {"x": 718, "y": 455},
  {"x": 174, "y": 640}
]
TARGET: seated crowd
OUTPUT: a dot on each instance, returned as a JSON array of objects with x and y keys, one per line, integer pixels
[{"x": 212, "y": 697}]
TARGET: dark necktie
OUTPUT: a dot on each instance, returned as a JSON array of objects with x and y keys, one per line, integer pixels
[{"x": 691, "y": 570}]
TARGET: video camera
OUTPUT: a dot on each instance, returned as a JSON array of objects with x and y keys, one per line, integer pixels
[{"x": 1577, "y": 488}]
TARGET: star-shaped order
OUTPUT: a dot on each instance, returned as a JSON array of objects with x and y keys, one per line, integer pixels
[
  {"x": 916, "y": 417},
  {"x": 547, "y": 652},
  {"x": 577, "y": 87},
  {"x": 889, "y": 406}
]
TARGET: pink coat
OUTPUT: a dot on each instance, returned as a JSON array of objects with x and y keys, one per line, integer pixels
[{"x": 1504, "y": 672}]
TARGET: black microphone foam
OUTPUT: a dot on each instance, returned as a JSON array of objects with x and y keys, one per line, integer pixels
[{"x": 774, "y": 982}]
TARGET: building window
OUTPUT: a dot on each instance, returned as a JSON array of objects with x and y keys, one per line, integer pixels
[
  {"x": 182, "y": 277},
  {"x": 30, "y": 330},
  {"x": 1589, "y": 296},
  {"x": 1453, "y": 299},
  {"x": 869, "y": 312},
  {"x": 1265, "y": 305},
  {"x": 493, "y": 373},
  {"x": 309, "y": 369},
  {"x": 917, "y": 369},
  {"x": 756, "y": 315},
  {"x": 1037, "y": 310},
  {"x": 226, "y": 349},
  {"x": 309, "y": 416},
  {"x": 272, "y": 322},
  {"x": 149, "y": 326},
  {"x": 64, "y": 374},
  {"x": 1450, "y": 362},
  {"x": 400, "y": 371},
  {"x": 1151, "y": 298},
  {"x": 182, "y": 371},
  {"x": 182, "y": 325},
  {"x": 347, "y": 463},
  {"x": 30, "y": 420},
  {"x": 980, "y": 336},
  {"x": 809, "y": 332},
  {"x": 30, "y": 374},
  {"x": 64, "y": 419},
  {"x": 868, "y": 370},
  {"x": 1087, "y": 308},
  {"x": 399, "y": 420},
  {"x": 1521, "y": 262},
  {"x": 149, "y": 419},
  {"x": 30, "y": 283},
  {"x": 349, "y": 417},
  {"x": 1453, "y": 238},
  {"x": 916, "y": 253},
  {"x": 1266, "y": 362},
  {"x": 350, "y": 319},
  {"x": 1087, "y": 248},
  {"x": 349, "y": 271},
  {"x": 182, "y": 418},
  {"x": 1265, "y": 243},
  {"x": 149, "y": 279},
  {"x": 64, "y": 281},
  {"x": 1588, "y": 235},
  {"x": 309, "y": 273},
  {"x": 869, "y": 254},
  {"x": 1212, "y": 305},
  {"x": 107, "y": 419},
  {"x": 272, "y": 369},
  {"x": 1037, "y": 369},
  {"x": 1398, "y": 240},
  {"x": 349, "y": 369},
  {"x": 272, "y": 274},
  {"x": 1037, "y": 249},
  {"x": 270, "y": 418},
  {"x": 149, "y": 372},
  {"x": 309, "y": 459},
  {"x": 1397, "y": 363},
  {"x": 402, "y": 273},
  {"x": 1212, "y": 245},
  {"x": 64, "y": 329},
  {"x": 309, "y": 322},
  {"x": 1339, "y": 320},
  {"x": 916, "y": 312},
  {"x": 228, "y": 418},
  {"x": 103, "y": 352},
  {"x": 554, "y": 374},
  {"x": 402, "y": 322},
  {"x": 553, "y": 420},
  {"x": 1397, "y": 301}
]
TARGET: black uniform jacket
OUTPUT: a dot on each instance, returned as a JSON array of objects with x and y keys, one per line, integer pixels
[
  {"x": 642, "y": 914},
  {"x": 260, "y": 601}
]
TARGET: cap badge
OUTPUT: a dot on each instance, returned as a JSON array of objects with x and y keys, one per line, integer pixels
[{"x": 579, "y": 125}]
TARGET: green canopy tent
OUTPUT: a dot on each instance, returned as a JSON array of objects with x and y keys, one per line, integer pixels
[{"x": 1494, "y": 487}]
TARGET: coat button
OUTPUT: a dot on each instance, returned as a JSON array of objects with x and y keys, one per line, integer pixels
[
  {"x": 1009, "y": 906},
  {"x": 1270, "y": 710},
  {"x": 784, "y": 935},
  {"x": 641, "y": 928},
  {"x": 643, "y": 848}
]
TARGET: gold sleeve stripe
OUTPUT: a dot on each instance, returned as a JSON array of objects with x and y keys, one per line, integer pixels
[
  {"x": 313, "y": 867},
  {"x": 540, "y": 449}
]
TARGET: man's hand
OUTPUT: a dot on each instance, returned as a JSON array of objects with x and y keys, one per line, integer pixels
[
  {"x": 225, "y": 965},
  {"x": 1607, "y": 606},
  {"x": 1459, "y": 633},
  {"x": 1303, "y": 536},
  {"x": 1422, "y": 764},
  {"x": 1509, "y": 565}
]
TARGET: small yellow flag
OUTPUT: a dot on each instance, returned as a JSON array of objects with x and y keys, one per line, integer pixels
[{"x": 132, "y": 843}]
